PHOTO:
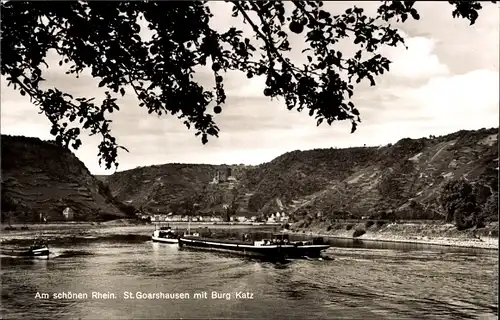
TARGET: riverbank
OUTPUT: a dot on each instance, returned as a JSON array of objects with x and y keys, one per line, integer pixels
[
  {"x": 128, "y": 223},
  {"x": 69, "y": 225},
  {"x": 420, "y": 232}
]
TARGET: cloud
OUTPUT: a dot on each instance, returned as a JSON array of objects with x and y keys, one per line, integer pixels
[
  {"x": 419, "y": 61},
  {"x": 469, "y": 100},
  {"x": 463, "y": 47},
  {"x": 441, "y": 105}
]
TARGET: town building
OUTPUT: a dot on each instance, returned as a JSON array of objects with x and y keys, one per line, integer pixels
[{"x": 68, "y": 213}]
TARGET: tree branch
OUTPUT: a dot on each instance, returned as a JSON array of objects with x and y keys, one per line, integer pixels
[{"x": 269, "y": 46}]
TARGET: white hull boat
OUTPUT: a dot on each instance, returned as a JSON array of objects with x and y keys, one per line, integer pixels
[
  {"x": 165, "y": 236},
  {"x": 164, "y": 240}
]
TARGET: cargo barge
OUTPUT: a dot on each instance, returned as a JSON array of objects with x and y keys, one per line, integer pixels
[{"x": 279, "y": 247}]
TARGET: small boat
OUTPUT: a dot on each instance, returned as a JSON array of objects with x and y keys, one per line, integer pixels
[
  {"x": 165, "y": 235},
  {"x": 277, "y": 248},
  {"x": 38, "y": 250}
]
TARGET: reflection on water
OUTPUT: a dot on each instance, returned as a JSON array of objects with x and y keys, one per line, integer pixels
[{"x": 364, "y": 280}]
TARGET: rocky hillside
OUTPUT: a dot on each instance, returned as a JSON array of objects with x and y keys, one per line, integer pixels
[
  {"x": 400, "y": 181},
  {"x": 40, "y": 177}
]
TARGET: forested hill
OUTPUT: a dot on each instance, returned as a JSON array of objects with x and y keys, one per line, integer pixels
[
  {"x": 406, "y": 181},
  {"x": 452, "y": 177}
]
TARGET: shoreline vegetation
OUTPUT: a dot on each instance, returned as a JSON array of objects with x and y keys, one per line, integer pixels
[
  {"x": 437, "y": 233},
  {"x": 416, "y": 232}
]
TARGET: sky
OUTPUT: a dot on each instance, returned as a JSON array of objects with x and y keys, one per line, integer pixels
[{"x": 447, "y": 80}]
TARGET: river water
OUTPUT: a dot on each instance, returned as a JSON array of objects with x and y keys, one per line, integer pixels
[{"x": 363, "y": 280}]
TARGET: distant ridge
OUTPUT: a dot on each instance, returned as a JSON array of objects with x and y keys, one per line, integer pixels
[{"x": 400, "y": 181}]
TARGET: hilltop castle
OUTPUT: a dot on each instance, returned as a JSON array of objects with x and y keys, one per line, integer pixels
[{"x": 223, "y": 175}]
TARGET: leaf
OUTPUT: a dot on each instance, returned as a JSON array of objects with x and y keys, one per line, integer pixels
[
  {"x": 414, "y": 14},
  {"x": 77, "y": 144},
  {"x": 122, "y": 91},
  {"x": 309, "y": 58},
  {"x": 320, "y": 120},
  {"x": 123, "y": 148},
  {"x": 473, "y": 17},
  {"x": 358, "y": 55},
  {"x": 353, "y": 127},
  {"x": 372, "y": 81},
  {"x": 102, "y": 83}
]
